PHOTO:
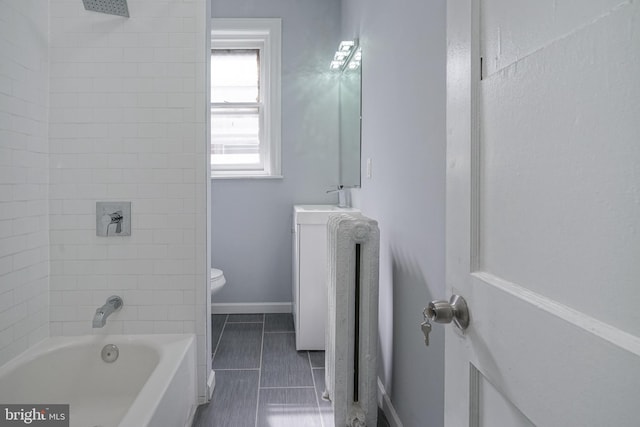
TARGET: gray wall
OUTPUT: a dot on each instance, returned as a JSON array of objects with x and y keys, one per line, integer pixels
[
  {"x": 403, "y": 134},
  {"x": 404, "y": 54},
  {"x": 251, "y": 218}
]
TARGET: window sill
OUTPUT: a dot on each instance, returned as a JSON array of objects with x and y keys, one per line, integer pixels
[{"x": 221, "y": 177}]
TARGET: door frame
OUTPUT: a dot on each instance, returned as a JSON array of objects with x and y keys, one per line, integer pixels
[{"x": 462, "y": 157}]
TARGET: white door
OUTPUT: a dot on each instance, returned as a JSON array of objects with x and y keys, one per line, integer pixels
[{"x": 543, "y": 212}]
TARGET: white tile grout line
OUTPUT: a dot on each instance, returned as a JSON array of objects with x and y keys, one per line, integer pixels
[
  {"x": 315, "y": 390},
  {"x": 260, "y": 370}
]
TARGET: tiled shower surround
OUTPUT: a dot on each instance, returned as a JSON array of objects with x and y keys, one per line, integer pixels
[
  {"x": 125, "y": 121},
  {"x": 24, "y": 176}
]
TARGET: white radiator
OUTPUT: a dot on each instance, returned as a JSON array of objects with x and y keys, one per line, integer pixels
[{"x": 351, "y": 349}]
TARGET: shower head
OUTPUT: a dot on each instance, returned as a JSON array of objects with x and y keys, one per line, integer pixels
[{"x": 112, "y": 7}]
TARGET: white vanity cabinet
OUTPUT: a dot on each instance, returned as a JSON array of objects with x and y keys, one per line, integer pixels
[{"x": 310, "y": 273}]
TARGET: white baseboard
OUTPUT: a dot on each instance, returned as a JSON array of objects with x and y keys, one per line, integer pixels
[
  {"x": 211, "y": 383},
  {"x": 387, "y": 407},
  {"x": 250, "y": 308}
]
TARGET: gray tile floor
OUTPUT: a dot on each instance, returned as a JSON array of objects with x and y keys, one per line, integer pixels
[{"x": 261, "y": 380}]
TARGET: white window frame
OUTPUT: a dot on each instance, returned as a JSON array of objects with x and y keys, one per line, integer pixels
[{"x": 263, "y": 34}]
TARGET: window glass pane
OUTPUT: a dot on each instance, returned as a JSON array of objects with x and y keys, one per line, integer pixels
[
  {"x": 235, "y": 75},
  {"x": 235, "y": 136}
]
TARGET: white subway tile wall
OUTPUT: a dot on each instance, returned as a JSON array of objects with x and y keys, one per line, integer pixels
[
  {"x": 24, "y": 176},
  {"x": 127, "y": 123}
]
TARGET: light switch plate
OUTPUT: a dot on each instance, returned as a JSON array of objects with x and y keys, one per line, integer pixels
[{"x": 113, "y": 219}]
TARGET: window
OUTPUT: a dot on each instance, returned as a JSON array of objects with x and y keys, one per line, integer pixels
[{"x": 245, "y": 98}]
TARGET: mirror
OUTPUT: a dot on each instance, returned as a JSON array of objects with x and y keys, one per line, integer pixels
[{"x": 350, "y": 120}]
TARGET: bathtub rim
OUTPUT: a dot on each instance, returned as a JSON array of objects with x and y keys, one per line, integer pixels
[
  {"x": 171, "y": 348},
  {"x": 144, "y": 406}
]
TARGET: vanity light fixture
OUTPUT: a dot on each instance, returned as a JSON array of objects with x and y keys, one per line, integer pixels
[
  {"x": 344, "y": 53},
  {"x": 354, "y": 64}
]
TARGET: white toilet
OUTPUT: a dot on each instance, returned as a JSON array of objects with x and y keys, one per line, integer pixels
[{"x": 217, "y": 280}]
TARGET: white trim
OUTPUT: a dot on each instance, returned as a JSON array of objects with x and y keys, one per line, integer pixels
[
  {"x": 211, "y": 383},
  {"x": 250, "y": 307},
  {"x": 247, "y": 177},
  {"x": 268, "y": 31},
  {"x": 208, "y": 347},
  {"x": 387, "y": 407},
  {"x": 602, "y": 330}
]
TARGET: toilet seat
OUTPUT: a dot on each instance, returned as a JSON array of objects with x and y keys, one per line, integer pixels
[
  {"x": 217, "y": 280},
  {"x": 216, "y": 274}
]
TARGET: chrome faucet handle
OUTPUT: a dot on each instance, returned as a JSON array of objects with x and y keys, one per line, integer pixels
[
  {"x": 341, "y": 187},
  {"x": 337, "y": 189},
  {"x": 116, "y": 218},
  {"x": 344, "y": 197}
]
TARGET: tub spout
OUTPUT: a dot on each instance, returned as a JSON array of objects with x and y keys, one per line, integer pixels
[{"x": 114, "y": 303}]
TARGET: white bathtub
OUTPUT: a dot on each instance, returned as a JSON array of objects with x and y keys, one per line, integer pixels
[{"x": 151, "y": 384}]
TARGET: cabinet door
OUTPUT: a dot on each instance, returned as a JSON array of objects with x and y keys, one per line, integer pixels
[
  {"x": 312, "y": 298},
  {"x": 296, "y": 275}
]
